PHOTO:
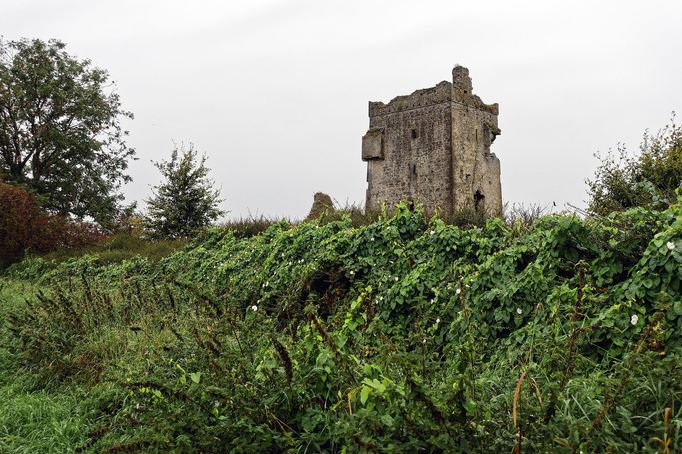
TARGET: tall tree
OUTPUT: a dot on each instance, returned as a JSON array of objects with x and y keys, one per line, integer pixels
[
  {"x": 59, "y": 130},
  {"x": 186, "y": 200}
]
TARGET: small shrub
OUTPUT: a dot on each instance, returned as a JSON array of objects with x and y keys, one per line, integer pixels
[
  {"x": 467, "y": 216},
  {"x": 25, "y": 227},
  {"x": 523, "y": 217},
  {"x": 18, "y": 210},
  {"x": 58, "y": 232},
  {"x": 359, "y": 216},
  {"x": 249, "y": 226}
]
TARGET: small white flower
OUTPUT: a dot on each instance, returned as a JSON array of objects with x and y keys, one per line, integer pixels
[
  {"x": 634, "y": 319},
  {"x": 458, "y": 291},
  {"x": 371, "y": 239},
  {"x": 381, "y": 298},
  {"x": 267, "y": 283},
  {"x": 670, "y": 245},
  {"x": 290, "y": 263},
  {"x": 433, "y": 232},
  {"x": 437, "y": 321},
  {"x": 424, "y": 341},
  {"x": 519, "y": 311},
  {"x": 254, "y": 308},
  {"x": 396, "y": 278},
  {"x": 352, "y": 272}
]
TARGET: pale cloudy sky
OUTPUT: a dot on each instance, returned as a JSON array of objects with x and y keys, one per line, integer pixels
[{"x": 275, "y": 91}]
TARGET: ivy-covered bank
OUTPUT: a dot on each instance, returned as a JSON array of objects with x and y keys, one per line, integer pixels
[{"x": 405, "y": 335}]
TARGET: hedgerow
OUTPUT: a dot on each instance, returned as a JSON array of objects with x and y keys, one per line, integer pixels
[{"x": 407, "y": 334}]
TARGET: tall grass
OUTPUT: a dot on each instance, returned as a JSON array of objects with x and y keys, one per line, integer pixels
[{"x": 121, "y": 246}]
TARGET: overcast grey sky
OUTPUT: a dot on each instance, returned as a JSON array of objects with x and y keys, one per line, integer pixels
[{"x": 275, "y": 92}]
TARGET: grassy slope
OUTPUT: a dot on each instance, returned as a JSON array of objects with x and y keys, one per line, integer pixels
[{"x": 406, "y": 334}]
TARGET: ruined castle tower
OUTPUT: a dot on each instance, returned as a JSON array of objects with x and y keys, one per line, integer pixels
[{"x": 433, "y": 147}]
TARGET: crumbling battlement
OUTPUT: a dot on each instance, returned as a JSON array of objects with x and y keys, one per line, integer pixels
[
  {"x": 420, "y": 98},
  {"x": 459, "y": 90},
  {"x": 463, "y": 92},
  {"x": 433, "y": 146}
]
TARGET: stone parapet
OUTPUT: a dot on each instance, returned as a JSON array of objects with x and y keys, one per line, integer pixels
[{"x": 421, "y": 98}]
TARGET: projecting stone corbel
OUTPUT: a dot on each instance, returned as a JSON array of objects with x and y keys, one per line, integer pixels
[{"x": 373, "y": 144}]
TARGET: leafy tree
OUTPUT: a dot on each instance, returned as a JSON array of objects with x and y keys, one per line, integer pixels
[
  {"x": 186, "y": 201},
  {"x": 59, "y": 130},
  {"x": 651, "y": 178}
]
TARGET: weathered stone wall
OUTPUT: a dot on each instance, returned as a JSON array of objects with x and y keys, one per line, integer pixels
[
  {"x": 416, "y": 156},
  {"x": 476, "y": 170},
  {"x": 433, "y": 146}
]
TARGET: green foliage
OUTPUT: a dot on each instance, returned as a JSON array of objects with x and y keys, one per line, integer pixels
[
  {"x": 120, "y": 247},
  {"x": 623, "y": 181},
  {"x": 403, "y": 335},
  {"x": 116, "y": 249},
  {"x": 59, "y": 130},
  {"x": 186, "y": 201}
]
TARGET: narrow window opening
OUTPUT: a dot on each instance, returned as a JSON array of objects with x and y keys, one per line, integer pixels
[
  {"x": 476, "y": 135},
  {"x": 479, "y": 200},
  {"x": 414, "y": 134},
  {"x": 414, "y": 169}
]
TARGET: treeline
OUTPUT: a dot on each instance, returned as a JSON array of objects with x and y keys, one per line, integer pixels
[
  {"x": 63, "y": 146},
  {"x": 64, "y": 158}
]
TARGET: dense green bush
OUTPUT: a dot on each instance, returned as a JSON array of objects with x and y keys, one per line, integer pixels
[
  {"x": 407, "y": 334},
  {"x": 624, "y": 181}
]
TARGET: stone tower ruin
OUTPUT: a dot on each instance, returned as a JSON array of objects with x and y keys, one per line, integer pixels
[{"x": 433, "y": 147}]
